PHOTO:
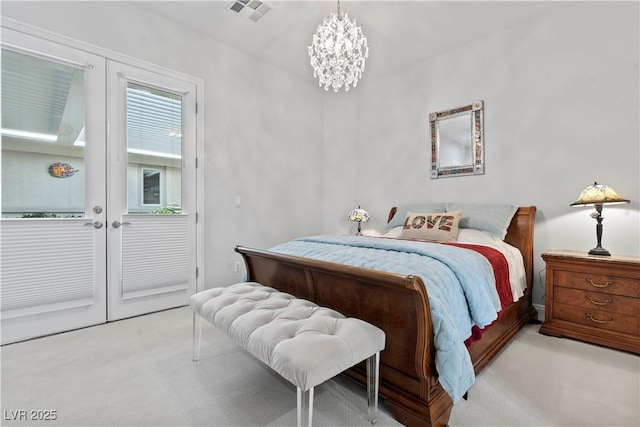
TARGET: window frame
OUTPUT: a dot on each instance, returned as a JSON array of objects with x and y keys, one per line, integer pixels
[{"x": 160, "y": 186}]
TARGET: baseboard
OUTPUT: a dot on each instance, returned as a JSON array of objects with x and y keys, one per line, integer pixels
[{"x": 540, "y": 309}]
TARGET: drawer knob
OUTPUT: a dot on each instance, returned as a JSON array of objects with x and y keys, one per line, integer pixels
[
  {"x": 605, "y": 302},
  {"x": 600, "y": 321},
  {"x": 599, "y": 285}
]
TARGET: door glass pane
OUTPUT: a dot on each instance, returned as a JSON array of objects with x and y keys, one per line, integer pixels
[
  {"x": 43, "y": 156},
  {"x": 151, "y": 186},
  {"x": 154, "y": 150}
]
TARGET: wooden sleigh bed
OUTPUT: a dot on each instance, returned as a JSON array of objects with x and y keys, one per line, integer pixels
[{"x": 399, "y": 305}]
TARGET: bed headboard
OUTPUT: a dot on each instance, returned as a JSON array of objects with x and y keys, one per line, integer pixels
[{"x": 519, "y": 234}]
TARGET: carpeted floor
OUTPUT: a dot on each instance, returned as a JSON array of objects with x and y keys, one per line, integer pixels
[{"x": 138, "y": 372}]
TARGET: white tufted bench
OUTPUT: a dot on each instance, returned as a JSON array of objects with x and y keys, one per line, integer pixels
[{"x": 305, "y": 343}]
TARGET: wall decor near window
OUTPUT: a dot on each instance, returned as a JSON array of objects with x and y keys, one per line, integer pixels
[
  {"x": 61, "y": 170},
  {"x": 457, "y": 141}
]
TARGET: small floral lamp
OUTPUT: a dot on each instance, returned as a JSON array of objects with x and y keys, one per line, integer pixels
[{"x": 359, "y": 216}]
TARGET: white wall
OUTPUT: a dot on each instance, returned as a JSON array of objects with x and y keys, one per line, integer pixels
[
  {"x": 263, "y": 138},
  {"x": 561, "y": 97},
  {"x": 340, "y": 161}
]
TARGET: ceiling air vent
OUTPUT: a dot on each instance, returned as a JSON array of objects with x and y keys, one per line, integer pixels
[{"x": 252, "y": 9}]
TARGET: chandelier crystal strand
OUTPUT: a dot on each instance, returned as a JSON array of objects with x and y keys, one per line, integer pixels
[{"x": 338, "y": 52}]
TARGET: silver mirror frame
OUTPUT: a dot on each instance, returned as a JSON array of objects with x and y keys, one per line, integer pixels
[{"x": 476, "y": 128}]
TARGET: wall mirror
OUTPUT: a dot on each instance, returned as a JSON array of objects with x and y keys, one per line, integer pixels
[{"x": 457, "y": 141}]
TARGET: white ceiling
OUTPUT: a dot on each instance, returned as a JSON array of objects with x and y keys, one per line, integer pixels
[{"x": 399, "y": 33}]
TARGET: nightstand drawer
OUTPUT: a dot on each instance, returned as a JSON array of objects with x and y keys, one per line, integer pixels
[
  {"x": 609, "y": 284},
  {"x": 598, "y": 318},
  {"x": 597, "y": 300}
]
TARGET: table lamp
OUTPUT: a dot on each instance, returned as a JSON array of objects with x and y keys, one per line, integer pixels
[
  {"x": 358, "y": 215},
  {"x": 598, "y": 195}
]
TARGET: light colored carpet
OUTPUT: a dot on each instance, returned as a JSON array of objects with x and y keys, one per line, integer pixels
[
  {"x": 545, "y": 381},
  {"x": 138, "y": 372}
]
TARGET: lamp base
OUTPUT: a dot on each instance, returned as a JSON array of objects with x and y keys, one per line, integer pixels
[{"x": 600, "y": 251}]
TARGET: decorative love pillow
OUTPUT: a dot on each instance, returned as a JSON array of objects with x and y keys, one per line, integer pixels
[{"x": 441, "y": 227}]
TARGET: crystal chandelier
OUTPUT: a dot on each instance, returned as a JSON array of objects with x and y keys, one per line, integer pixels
[{"x": 338, "y": 52}]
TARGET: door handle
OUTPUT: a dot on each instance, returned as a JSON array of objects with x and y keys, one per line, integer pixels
[
  {"x": 117, "y": 224},
  {"x": 96, "y": 224}
]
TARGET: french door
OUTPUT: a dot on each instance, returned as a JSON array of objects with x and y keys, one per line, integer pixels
[
  {"x": 151, "y": 230},
  {"x": 98, "y": 189}
]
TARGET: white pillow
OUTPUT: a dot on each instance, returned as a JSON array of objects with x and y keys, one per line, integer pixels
[{"x": 393, "y": 233}]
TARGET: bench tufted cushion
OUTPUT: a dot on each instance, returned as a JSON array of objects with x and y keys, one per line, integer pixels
[{"x": 305, "y": 343}]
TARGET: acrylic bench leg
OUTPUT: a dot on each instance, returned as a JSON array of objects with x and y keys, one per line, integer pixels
[
  {"x": 305, "y": 407},
  {"x": 373, "y": 374},
  {"x": 197, "y": 336}
]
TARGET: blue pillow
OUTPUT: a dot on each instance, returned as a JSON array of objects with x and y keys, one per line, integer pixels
[
  {"x": 488, "y": 217},
  {"x": 402, "y": 210}
]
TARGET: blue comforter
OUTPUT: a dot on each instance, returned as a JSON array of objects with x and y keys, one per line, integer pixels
[{"x": 460, "y": 284}]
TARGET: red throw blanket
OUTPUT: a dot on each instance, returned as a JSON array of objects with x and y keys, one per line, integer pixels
[{"x": 503, "y": 285}]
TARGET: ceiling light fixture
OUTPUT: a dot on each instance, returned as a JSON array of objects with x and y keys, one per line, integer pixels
[{"x": 338, "y": 52}]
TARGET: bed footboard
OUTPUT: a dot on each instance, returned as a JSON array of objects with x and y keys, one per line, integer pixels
[{"x": 395, "y": 303}]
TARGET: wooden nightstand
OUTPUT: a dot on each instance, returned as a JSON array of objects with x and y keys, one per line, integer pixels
[{"x": 593, "y": 298}]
